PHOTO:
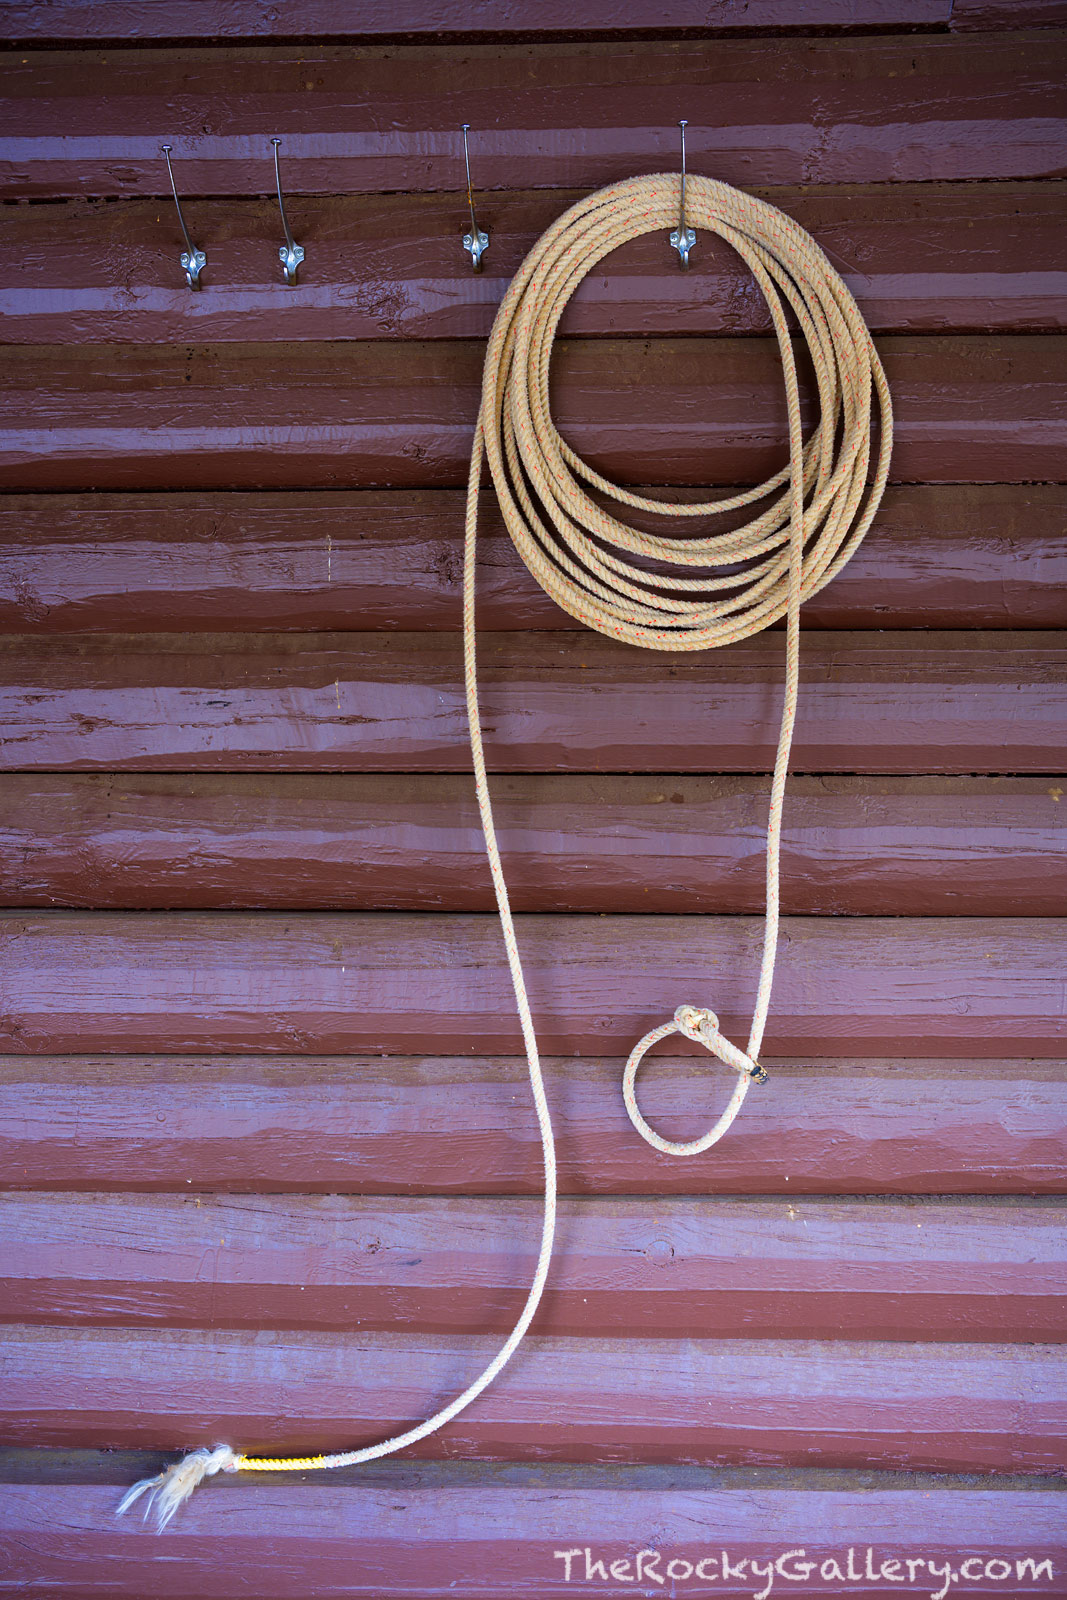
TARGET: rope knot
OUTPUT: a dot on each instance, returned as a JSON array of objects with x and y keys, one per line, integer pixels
[
  {"x": 692, "y": 1021},
  {"x": 702, "y": 1026}
]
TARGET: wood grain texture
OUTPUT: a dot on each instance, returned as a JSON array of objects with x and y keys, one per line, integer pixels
[
  {"x": 369, "y": 1125},
  {"x": 965, "y": 556},
  {"x": 972, "y": 409},
  {"x": 866, "y": 846},
  {"x": 888, "y": 109},
  {"x": 405, "y": 982},
  {"x": 650, "y": 1268},
  {"x": 927, "y": 257},
  {"x": 577, "y": 702},
  {"x": 491, "y": 1532},
  {"x": 976, "y": 15},
  {"x": 125, "y": 21},
  {"x": 956, "y": 1407}
]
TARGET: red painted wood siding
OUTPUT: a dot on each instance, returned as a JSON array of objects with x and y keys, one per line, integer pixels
[
  {"x": 270, "y": 1169},
  {"x": 383, "y": 981},
  {"x": 982, "y": 408},
  {"x": 372, "y": 1125},
  {"x": 871, "y": 846},
  {"x": 899, "y": 108},
  {"x": 989, "y": 555},
  {"x": 924, "y": 257}
]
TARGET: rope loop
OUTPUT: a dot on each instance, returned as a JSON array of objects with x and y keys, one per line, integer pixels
[
  {"x": 702, "y": 1027},
  {"x": 700, "y": 587}
]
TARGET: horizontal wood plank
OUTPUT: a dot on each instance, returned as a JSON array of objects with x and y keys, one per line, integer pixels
[
  {"x": 867, "y": 846},
  {"x": 623, "y": 1268},
  {"x": 124, "y": 21},
  {"x": 860, "y": 110},
  {"x": 967, "y": 409},
  {"x": 577, "y": 702},
  {"x": 492, "y": 1532},
  {"x": 919, "y": 257},
  {"x": 403, "y": 982},
  {"x": 358, "y": 1124},
  {"x": 965, "y": 556},
  {"x": 957, "y": 1407},
  {"x": 976, "y": 15}
]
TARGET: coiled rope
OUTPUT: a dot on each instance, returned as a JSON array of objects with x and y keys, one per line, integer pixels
[{"x": 610, "y": 576}]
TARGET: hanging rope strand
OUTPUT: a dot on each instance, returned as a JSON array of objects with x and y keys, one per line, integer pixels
[{"x": 618, "y": 580}]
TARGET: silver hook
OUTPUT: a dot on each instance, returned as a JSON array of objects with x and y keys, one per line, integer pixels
[
  {"x": 682, "y": 238},
  {"x": 290, "y": 254},
  {"x": 476, "y": 242},
  {"x": 193, "y": 260}
]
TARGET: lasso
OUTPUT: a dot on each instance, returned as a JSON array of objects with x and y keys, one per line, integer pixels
[{"x": 651, "y": 590}]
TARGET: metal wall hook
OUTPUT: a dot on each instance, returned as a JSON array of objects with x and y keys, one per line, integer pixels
[
  {"x": 682, "y": 238},
  {"x": 290, "y": 254},
  {"x": 476, "y": 243},
  {"x": 193, "y": 260}
]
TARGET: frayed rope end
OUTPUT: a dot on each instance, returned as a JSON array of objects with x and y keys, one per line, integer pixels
[{"x": 171, "y": 1488}]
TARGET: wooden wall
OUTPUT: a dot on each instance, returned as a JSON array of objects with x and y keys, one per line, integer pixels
[{"x": 272, "y": 1170}]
